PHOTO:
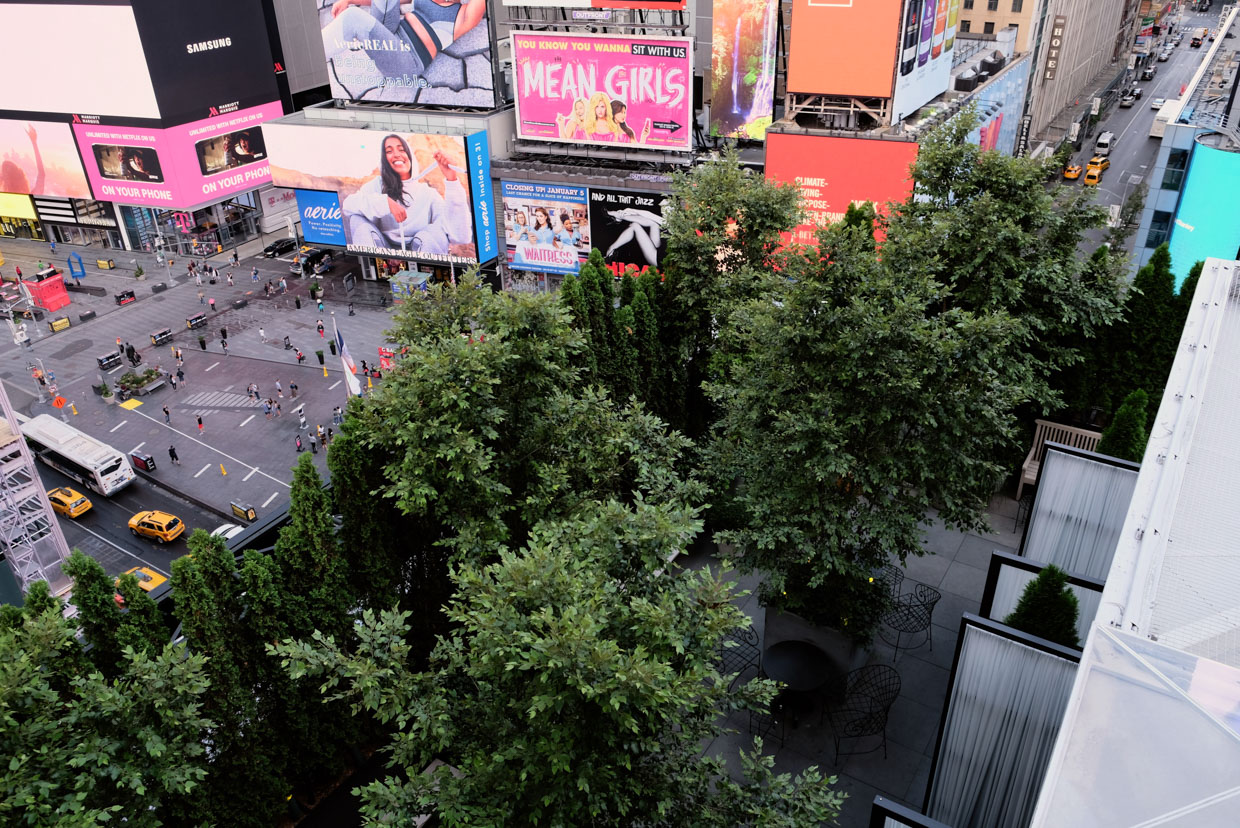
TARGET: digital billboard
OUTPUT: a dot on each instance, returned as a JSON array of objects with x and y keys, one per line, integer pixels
[
  {"x": 742, "y": 61},
  {"x": 205, "y": 58},
  {"x": 430, "y": 53},
  {"x": 40, "y": 158},
  {"x": 65, "y": 58},
  {"x": 669, "y": 5},
  {"x": 1201, "y": 228},
  {"x": 401, "y": 196},
  {"x": 321, "y": 222},
  {"x": 604, "y": 89},
  {"x": 628, "y": 228},
  {"x": 927, "y": 41},
  {"x": 835, "y": 172},
  {"x": 845, "y": 47},
  {"x": 180, "y": 166},
  {"x": 546, "y": 226},
  {"x": 999, "y": 114}
]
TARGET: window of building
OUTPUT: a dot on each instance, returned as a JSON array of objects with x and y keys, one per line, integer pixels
[
  {"x": 989, "y": 28},
  {"x": 992, "y": 5},
  {"x": 1017, "y": 6},
  {"x": 965, "y": 25},
  {"x": 1160, "y": 229},
  {"x": 1177, "y": 164},
  {"x": 968, "y": 4}
]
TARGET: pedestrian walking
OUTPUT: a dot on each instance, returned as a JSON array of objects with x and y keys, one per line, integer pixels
[
  {"x": 224, "y": 345},
  {"x": 365, "y": 370},
  {"x": 229, "y": 276},
  {"x": 211, "y": 302},
  {"x": 254, "y": 274},
  {"x": 198, "y": 279},
  {"x": 336, "y": 415},
  {"x": 314, "y": 447},
  {"x": 172, "y": 380},
  {"x": 330, "y": 437},
  {"x": 262, "y": 335},
  {"x": 279, "y": 390},
  {"x": 320, "y": 326},
  {"x": 283, "y": 285},
  {"x": 172, "y": 455},
  {"x": 278, "y": 411},
  {"x": 200, "y": 424},
  {"x": 298, "y": 443},
  {"x": 19, "y": 273},
  {"x": 320, "y": 432},
  {"x": 235, "y": 260},
  {"x": 202, "y": 298},
  {"x": 320, "y": 306},
  {"x": 292, "y": 386},
  {"x": 351, "y": 310},
  {"x": 300, "y": 359},
  {"x": 267, "y": 408},
  {"x": 53, "y": 247},
  {"x": 120, "y": 349},
  {"x": 167, "y": 415},
  {"x": 181, "y": 375}
]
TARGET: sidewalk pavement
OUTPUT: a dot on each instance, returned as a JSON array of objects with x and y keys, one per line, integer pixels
[{"x": 256, "y": 455}]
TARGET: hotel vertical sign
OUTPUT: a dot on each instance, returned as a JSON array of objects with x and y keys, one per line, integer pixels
[{"x": 1056, "y": 43}]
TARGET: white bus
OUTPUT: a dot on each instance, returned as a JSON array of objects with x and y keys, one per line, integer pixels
[{"x": 80, "y": 456}]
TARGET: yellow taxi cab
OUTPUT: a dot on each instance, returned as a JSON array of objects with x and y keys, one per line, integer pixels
[
  {"x": 68, "y": 502},
  {"x": 1072, "y": 171},
  {"x": 160, "y": 526},
  {"x": 1099, "y": 161},
  {"x": 1092, "y": 176},
  {"x": 148, "y": 578}
]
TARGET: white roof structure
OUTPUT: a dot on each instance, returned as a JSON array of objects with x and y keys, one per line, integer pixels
[{"x": 1151, "y": 735}]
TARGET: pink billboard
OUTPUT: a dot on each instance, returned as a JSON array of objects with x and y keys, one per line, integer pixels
[
  {"x": 183, "y": 166},
  {"x": 604, "y": 89}
]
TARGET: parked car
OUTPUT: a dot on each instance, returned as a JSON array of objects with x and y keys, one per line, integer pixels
[
  {"x": 312, "y": 261},
  {"x": 1127, "y": 101},
  {"x": 227, "y": 531},
  {"x": 157, "y": 525},
  {"x": 1099, "y": 161},
  {"x": 1072, "y": 171},
  {"x": 1137, "y": 92},
  {"x": 1148, "y": 73},
  {"x": 68, "y": 502},
  {"x": 1157, "y": 103},
  {"x": 279, "y": 247}
]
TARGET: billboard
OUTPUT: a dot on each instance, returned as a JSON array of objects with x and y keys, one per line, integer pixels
[
  {"x": 628, "y": 228},
  {"x": 1201, "y": 229},
  {"x": 401, "y": 196},
  {"x": 927, "y": 42},
  {"x": 433, "y": 54},
  {"x": 40, "y": 158},
  {"x": 546, "y": 226},
  {"x": 1000, "y": 112},
  {"x": 604, "y": 89},
  {"x": 845, "y": 47},
  {"x": 205, "y": 59},
  {"x": 181, "y": 166},
  {"x": 667, "y": 5},
  {"x": 79, "y": 58},
  {"x": 321, "y": 222},
  {"x": 835, "y": 172},
  {"x": 742, "y": 61}
]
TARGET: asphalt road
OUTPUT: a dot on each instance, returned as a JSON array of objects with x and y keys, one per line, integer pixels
[
  {"x": 103, "y": 532},
  {"x": 1133, "y": 155}
]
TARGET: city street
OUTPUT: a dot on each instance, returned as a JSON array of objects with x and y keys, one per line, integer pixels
[{"x": 239, "y": 454}]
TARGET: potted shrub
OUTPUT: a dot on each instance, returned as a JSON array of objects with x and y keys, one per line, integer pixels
[
  {"x": 316, "y": 289},
  {"x": 202, "y": 342},
  {"x": 106, "y": 393},
  {"x": 139, "y": 273},
  {"x": 319, "y": 354},
  {"x": 138, "y": 384},
  {"x": 1048, "y": 608}
]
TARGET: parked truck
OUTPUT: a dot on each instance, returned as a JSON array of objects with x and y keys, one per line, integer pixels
[{"x": 1167, "y": 114}]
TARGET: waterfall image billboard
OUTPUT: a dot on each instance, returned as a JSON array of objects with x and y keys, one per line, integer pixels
[
  {"x": 742, "y": 64},
  {"x": 604, "y": 89}
]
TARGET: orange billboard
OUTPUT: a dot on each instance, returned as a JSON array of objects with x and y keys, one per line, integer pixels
[
  {"x": 835, "y": 172},
  {"x": 843, "y": 47}
]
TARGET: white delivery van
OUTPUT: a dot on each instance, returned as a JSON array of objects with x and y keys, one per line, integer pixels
[{"x": 1104, "y": 144}]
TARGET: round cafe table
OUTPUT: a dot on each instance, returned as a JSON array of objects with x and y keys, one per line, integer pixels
[{"x": 799, "y": 664}]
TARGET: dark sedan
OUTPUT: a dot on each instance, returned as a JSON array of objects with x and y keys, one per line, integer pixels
[{"x": 279, "y": 247}]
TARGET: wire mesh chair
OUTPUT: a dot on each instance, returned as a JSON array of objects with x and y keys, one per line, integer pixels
[
  {"x": 738, "y": 652},
  {"x": 868, "y": 695},
  {"x": 910, "y": 614},
  {"x": 892, "y": 578},
  {"x": 769, "y": 724}
]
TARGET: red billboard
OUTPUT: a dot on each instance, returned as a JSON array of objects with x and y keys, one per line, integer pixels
[
  {"x": 835, "y": 172},
  {"x": 843, "y": 47}
]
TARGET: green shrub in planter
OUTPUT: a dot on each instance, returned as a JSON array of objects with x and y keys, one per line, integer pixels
[
  {"x": 319, "y": 354},
  {"x": 1048, "y": 608}
]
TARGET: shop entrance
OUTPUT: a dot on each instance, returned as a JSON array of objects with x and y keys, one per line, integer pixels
[{"x": 20, "y": 228}]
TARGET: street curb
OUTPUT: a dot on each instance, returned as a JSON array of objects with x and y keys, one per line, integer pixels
[{"x": 201, "y": 504}]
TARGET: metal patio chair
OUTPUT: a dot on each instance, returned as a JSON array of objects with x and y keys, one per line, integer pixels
[{"x": 868, "y": 695}]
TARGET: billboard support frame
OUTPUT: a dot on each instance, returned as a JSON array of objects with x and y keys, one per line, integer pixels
[{"x": 799, "y": 103}]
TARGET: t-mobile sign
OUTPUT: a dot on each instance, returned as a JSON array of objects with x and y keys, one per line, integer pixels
[{"x": 183, "y": 166}]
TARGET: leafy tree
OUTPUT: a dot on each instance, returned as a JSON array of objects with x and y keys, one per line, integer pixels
[
  {"x": 105, "y": 624},
  {"x": 576, "y": 688},
  {"x": 1048, "y": 608},
  {"x": 600, "y": 328},
  {"x": 854, "y": 408},
  {"x": 1188, "y": 288},
  {"x": 650, "y": 368},
  {"x": 142, "y": 625},
  {"x": 862, "y": 217},
  {"x": 1144, "y": 355},
  {"x": 573, "y": 300},
  {"x": 83, "y": 749},
  {"x": 1126, "y": 435},
  {"x": 628, "y": 378},
  {"x": 987, "y": 228},
  {"x": 628, "y": 287}
]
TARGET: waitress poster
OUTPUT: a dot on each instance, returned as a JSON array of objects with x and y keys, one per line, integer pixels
[
  {"x": 547, "y": 226},
  {"x": 604, "y": 89}
]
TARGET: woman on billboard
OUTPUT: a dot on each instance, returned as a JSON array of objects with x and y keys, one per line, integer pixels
[
  {"x": 599, "y": 123},
  {"x": 398, "y": 43},
  {"x": 620, "y": 115},
  {"x": 397, "y": 210},
  {"x": 573, "y": 127}
]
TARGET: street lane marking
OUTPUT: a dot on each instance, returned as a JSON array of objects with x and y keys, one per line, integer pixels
[
  {"x": 212, "y": 365},
  {"x": 203, "y": 469},
  {"x": 135, "y": 448},
  {"x": 334, "y": 384},
  {"x": 121, "y": 424},
  {"x": 190, "y": 437},
  {"x": 251, "y": 474},
  {"x": 117, "y": 368},
  {"x": 121, "y": 549},
  {"x": 247, "y": 419},
  {"x": 274, "y": 495}
]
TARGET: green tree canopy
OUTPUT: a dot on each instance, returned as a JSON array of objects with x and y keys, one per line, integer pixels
[
  {"x": 1048, "y": 608},
  {"x": 1125, "y": 437}
]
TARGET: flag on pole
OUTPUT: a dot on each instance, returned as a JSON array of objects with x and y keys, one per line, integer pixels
[{"x": 350, "y": 368}]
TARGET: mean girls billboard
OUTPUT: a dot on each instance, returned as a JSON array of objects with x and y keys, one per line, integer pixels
[{"x": 604, "y": 89}]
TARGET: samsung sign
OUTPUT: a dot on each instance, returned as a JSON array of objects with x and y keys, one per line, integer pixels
[{"x": 320, "y": 217}]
